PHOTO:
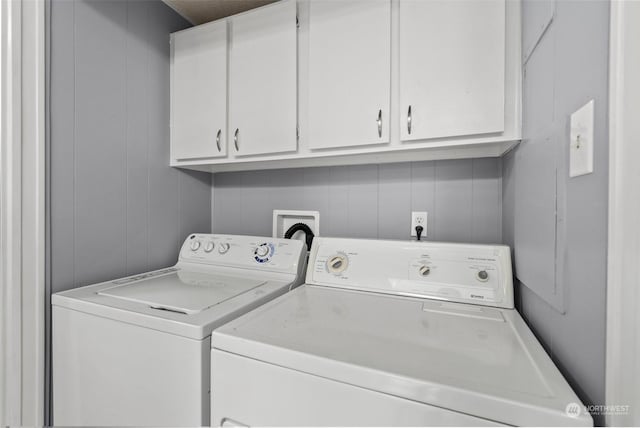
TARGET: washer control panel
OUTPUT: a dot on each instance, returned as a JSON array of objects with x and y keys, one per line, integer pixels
[
  {"x": 271, "y": 254},
  {"x": 466, "y": 273}
]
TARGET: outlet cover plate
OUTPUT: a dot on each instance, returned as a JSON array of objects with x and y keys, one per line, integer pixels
[
  {"x": 419, "y": 218},
  {"x": 581, "y": 141}
]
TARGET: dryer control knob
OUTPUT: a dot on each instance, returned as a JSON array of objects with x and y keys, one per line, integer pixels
[
  {"x": 482, "y": 276},
  {"x": 209, "y": 247},
  {"x": 223, "y": 248},
  {"x": 337, "y": 264},
  {"x": 195, "y": 245},
  {"x": 424, "y": 270}
]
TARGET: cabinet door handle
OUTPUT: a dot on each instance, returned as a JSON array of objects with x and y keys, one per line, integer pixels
[
  {"x": 235, "y": 139},
  {"x": 218, "y": 139},
  {"x": 379, "y": 121},
  {"x": 409, "y": 120}
]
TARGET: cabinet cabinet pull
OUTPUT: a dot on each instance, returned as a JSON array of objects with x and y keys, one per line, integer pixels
[
  {"x": 235, "y": 139},
  {"x": 409, "y": 120},
  {"x": 379, "y": 121},
  {"x": 218, "y": 139}
]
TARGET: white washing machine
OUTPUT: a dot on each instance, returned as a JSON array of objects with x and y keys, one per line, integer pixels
[
  {"x": 395, "y": 334},
  {"x": 136, "y": 351}
]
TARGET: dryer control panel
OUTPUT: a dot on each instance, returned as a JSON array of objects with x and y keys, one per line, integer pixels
[
  {"x": 465, "y": 273},
  {"x": 248, "y": 252}
]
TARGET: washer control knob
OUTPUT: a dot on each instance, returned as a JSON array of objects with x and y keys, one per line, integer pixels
[
  {"x": 262, "y": 250},
  {"x": 424, "y": 270},
  {"x": 195, "y": 245},
  {"x": 208, "y": 247},
  {"x": 482, "y": 276},
  {"x": 337, "y": 264},
  {"x": 223, "y": 248}
]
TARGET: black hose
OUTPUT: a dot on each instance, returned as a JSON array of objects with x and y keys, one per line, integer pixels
[{"x": 307, "y": 232}]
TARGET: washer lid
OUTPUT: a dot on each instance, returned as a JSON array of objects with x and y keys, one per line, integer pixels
[{"x": 185, "y": 292}]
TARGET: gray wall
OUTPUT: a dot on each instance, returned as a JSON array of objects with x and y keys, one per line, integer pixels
[
  {"x": 568, "y": 68},
  {"x": 116, "y": 207},
  {"x": 463, "y": 199}
]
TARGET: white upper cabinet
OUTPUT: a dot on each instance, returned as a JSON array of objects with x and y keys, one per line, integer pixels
[
  {"x": 452, "y": 68},
  {"x": 364, "y": 81},
  {"x": 263, "y": 80},
  {"x": 349, "y": 73},
  {"x": 199, "y": 92}
]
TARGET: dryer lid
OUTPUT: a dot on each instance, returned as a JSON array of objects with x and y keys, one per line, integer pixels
[
  {"x": 471, "y": 359},
  {"x": 182, "y": 291}
]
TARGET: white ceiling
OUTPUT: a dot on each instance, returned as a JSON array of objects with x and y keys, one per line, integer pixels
[{"x": 201, "y": 11}]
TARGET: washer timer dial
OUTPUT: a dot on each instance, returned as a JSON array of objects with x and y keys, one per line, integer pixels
[{"x": 263, "y": 252}]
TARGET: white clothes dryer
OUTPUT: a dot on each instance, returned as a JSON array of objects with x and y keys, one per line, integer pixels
[{"x": 395, "y": 334}]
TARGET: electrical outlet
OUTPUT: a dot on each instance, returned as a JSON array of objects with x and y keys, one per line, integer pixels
[{"x": 419, "y": 218}]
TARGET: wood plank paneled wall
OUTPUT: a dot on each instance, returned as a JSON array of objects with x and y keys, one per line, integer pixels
[
  {"x": 116, "y": 207},
  {"x": 463, "y": 199}
]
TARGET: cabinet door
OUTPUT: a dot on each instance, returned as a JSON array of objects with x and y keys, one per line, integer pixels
[
  {"x": 452, "y": 68},
  {"x": 263, "y": 80},
  {"x": 199, "y": 92},
  {"x": 349, "y": 72}
]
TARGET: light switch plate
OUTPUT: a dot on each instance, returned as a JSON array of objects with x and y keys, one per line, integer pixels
[{"x": 581, "y": 141}]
